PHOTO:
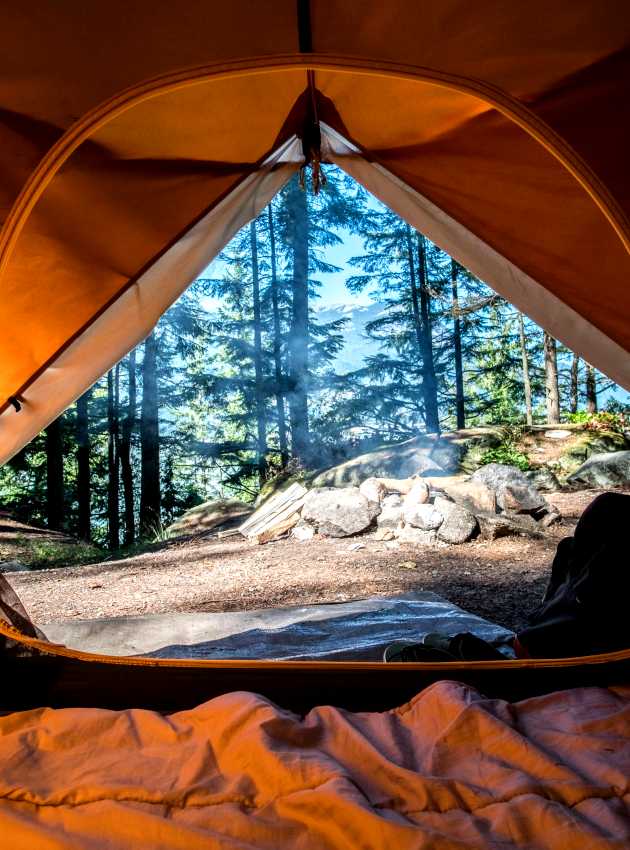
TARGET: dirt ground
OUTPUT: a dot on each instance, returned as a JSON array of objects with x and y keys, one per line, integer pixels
[{"x": 502, "y": 580}]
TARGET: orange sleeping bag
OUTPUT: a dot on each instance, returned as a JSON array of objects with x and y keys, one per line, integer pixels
[{"x": 451, "y": 769}]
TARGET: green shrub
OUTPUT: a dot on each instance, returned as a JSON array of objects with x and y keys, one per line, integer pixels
[
  {"x": 508, "y": 451},
  {"x": 605, "y": 420},
  {"x": 507, "y": 454}
]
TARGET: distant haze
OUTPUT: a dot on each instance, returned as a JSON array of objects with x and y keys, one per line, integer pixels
[{"x": 357, "y": 346}]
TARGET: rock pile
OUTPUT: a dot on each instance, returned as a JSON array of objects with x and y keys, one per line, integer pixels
[{"x": 497, "y": 500}]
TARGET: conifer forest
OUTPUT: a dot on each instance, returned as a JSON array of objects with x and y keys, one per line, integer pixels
[{"x": 256, "y": 372}]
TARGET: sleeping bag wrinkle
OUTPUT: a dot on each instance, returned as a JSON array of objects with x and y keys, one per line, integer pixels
[{"x": 448, "y": 771}]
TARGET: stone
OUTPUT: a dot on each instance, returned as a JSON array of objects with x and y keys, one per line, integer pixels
[
  {"x": 492, "y": 526},
  {"x": 338, "y": 511},
  {"x": 210, "y": 516},
  {"x": 447, "y": 455},
  {"x": 373, "y": 489},
  {"x": 470, "y": 494},
  {"x": 552, "y": 517},
  {"x": 543, "y": 478},
  {"x": 516, "y": 498},
  {"x": 423, "y": 516},
  {"x": 443, "y": 504},
  {"x": 392, "y": 511},
  {"x": 303, "y": 531},
  {"x": 13, "y": 567},
  {"x": 419, "y": 493},
  {"x": 601, "y": 442},
  {"x": 424, "y": 454},
  {"x": 384, "y": 534},
  {"x": 459, "y": 526},
  {"x": 394, "y": 500},
  {"x": 558, "y": 434},
  {"x": 607, "y": 469},
  {"x": 514, "y": 491},
  {"x": 417, "y": 536}
]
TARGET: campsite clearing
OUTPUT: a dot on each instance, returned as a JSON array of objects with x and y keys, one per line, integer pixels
[{"x": 502, "y": 580}]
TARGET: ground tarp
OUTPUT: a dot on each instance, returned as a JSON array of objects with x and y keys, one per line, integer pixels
[{"x": 347, "y": 631}]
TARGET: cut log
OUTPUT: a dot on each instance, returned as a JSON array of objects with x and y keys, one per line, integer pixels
[
  {"x": 277, "y": 530},
  {"x": 274, "y": 512}
]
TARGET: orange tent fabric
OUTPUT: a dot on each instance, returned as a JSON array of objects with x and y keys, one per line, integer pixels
[
  {"x": 136, "y": 139},
  {"x": 449, "y": 770}
]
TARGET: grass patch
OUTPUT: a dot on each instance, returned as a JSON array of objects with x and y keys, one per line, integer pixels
[{"x": 47, "y": 554}]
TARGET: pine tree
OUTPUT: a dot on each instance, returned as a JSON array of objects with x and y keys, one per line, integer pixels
[
  {"x": 460, "y": 409},
  {"x": 55, "y": 475},
  {"x": 126, "y": 468},
  {"x": 150, "y": 500},
  {"x": 552, "y": 393},
  {"x": 298, "y": 229},
  {"x": 394, "y": 270},
  {"x": 261, "y": 413},
  {"x": 277, "y": 341},
  {"x": 527, "y": 386},
  {"x": 83, "y": 466},
  {"x": 574, "y": 400},
  {"x": 429, "y": 382},
  {"x": 591, "y": 389},
  {"x": 113, "y": 507}
]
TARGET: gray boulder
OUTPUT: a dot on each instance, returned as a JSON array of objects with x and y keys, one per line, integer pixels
[
  {"x": 338, "y": 512},
  {"x": 502, "y": 525},
  {"x": 416, "y": 536},
  {"x": 603, "y": 470},
  {"x": 543, "y": 479},
  {"x": 515, "y": 492},
  {"x": 392, "y": 510},
  {"x": 470, "y": 494},
  {"x": 423, "y": 455},
  {"x": 459, "y": 523},
  {"x": 423, "y": 516}
]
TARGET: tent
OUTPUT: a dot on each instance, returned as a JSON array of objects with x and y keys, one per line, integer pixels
[
  {"x": 137, "y": 138},
  {"x": 135, "y": 141}
]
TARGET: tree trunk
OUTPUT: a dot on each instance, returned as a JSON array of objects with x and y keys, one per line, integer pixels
[
  {"x": 575, "y": 367},
  {"x": 126, "y": 469},
  {"x": 552, "y": 395},
  {"x": 282, "y": 422},
  {"x": 460, "y": 410},
  {"x": 591, "y": 389},
  {"x": 417, "y": 319},
  {"x": 527, "y": 384},
  {"x": 261, "y": 423},
  {"x": 150, "y": 497},
  {"x": 113, "y": 518},
  {"x": 84, "y": 495},
  {"x": 54, "y": 475},
  {"x": 299, "y": 334},
  {"x": 429, "y": 381}
]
